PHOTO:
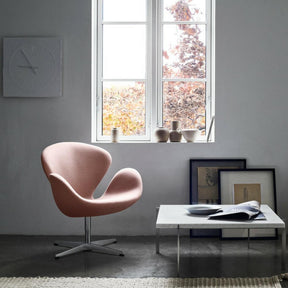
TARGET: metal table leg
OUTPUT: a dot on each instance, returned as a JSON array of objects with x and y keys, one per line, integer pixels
[
  {"x": 248, "y": 238},
  {"x": 178, "y": 251},
  {"x": 283, "y": 232},
  {"x": 157, "y": 233},
  {"x": 157, "y": 240}
]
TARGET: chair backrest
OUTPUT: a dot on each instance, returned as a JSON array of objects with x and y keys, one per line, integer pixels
[{"x": 82, "y": 165}]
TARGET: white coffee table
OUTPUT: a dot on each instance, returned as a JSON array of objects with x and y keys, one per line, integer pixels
[{"x": 177, "y": 217}]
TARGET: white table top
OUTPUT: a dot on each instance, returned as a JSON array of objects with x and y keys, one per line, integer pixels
[{"x": 172, "y": 216}]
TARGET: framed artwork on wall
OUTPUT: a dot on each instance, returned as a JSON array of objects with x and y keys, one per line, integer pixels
[
  {"x": 242, "y": 185},
  {"x": 204, "y": 183}
]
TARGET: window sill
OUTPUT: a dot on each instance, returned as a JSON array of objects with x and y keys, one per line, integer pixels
[{"x": 152, "y": 142}]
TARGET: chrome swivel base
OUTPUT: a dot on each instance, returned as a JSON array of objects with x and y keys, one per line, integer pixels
[
  {"x": 95, "y": 246},
  {"x": 88, "y": 245}
]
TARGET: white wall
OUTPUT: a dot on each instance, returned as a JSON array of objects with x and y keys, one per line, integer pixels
[{"x": 251, "y": 103}]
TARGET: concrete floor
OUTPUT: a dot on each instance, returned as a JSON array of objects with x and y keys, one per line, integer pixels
[{"x": 200, "y": 257}]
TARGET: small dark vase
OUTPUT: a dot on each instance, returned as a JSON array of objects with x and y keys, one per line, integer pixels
[{"x": 175, "y": 134}]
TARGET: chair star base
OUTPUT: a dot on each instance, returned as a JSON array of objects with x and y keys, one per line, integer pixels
[{"x": 94, "y": 246}]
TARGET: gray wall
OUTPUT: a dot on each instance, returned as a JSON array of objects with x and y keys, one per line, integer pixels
[{"x": 251, "y": 104}]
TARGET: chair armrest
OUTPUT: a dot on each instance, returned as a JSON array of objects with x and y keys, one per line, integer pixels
[
  {"x": 124, "y": 190},
  {"x": 66, "y": 198},
  {"x": 126, "y": 183}
]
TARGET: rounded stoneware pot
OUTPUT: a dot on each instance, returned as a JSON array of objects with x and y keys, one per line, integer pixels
[{"x": 162, "y": 134}]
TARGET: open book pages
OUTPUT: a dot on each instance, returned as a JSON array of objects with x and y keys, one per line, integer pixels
[{"x": 243, "y": 211}]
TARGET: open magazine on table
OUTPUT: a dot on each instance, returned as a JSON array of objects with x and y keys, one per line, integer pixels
[{"x": 244, "y": 211}]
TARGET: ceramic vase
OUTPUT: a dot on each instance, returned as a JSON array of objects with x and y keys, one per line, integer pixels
[
  {"x": 175, "y": 134},
  {"x": 162, "y": 134},
  {"x": 115, "y": 133}
]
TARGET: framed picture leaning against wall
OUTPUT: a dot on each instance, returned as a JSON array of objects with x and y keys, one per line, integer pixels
[
  {"x": 242, "y": 185},
  {"x": 204, "y": 183}
]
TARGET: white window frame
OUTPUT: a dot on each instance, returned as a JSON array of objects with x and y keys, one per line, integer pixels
[{"x": 153, "y": 79}]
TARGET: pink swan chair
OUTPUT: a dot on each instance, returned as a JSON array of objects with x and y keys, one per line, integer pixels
[{"x": 74, "y": 170}]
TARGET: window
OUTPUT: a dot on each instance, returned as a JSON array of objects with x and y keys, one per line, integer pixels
[{"x": 152, "y": 63}]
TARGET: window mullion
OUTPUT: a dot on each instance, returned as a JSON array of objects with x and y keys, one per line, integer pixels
[
  {"x": 184, "y": 80},
  {"x": 159, "y": 47},
  {"x": 94, "y": 77},
  {"x": 123, "y": 23},
  {"x": 184, "y": 23},
  {"x": 123, "y": 79},
  {"x": 209, "y": 62},
  {"x": 99, "y": 111},
  {"x": 150, "y": 62}
]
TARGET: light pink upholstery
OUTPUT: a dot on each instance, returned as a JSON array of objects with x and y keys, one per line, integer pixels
[{"x": 74, "y": 170}]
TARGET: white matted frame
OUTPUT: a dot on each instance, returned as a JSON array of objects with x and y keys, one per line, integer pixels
[{"x": 266, "y": 178}]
